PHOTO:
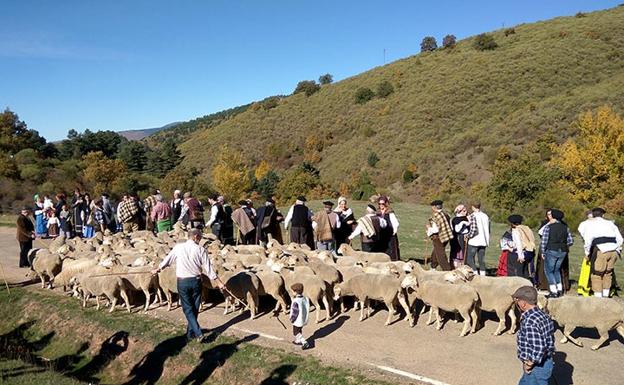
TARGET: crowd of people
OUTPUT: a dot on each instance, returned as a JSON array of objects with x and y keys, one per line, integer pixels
[{"x": 466, "y": 234}]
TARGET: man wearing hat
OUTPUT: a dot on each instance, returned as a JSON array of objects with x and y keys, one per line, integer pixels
[
  {"x": 520, "y": 242},
  {"x": 299, "y": 218},
  {"x": 268, "y": 218},
  {"x": 440, "y": 232},
  {"x": 603, "y": 245},
  {"x": 535, "y": 339},
  {"x": 325, "y": 223},
  {"x": 555, "y": 244},
  {"x": 148, "y": 205},
  {"x": 245, "y": 221},
  {"x": 369, "y": 227},
  {"x": 25, "y": 235}
]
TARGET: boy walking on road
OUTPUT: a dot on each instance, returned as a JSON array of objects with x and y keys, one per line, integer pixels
[{"x": 299, "y": 315}]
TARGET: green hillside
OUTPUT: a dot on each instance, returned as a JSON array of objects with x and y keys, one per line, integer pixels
[{"x": 450, "y": 110}]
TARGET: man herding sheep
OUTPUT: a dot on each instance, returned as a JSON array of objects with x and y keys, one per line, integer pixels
[{"x": 189, "y": 258}]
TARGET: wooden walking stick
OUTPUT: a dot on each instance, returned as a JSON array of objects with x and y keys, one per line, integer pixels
[
  {"x": 465, "y": 250},
  {"x": 4, "y": 278}
]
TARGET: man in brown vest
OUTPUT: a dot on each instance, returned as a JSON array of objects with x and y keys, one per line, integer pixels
[
  {"x": 25, "y": 236},
  {"x": 440, "y": 232},
  {"x": 324, "y": 223},
  {"x": 369, "y": 227}
]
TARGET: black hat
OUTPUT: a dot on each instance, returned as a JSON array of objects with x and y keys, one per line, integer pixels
[
  {"x": 328, "y": 203},
  {"x": 370, "y": 206},
  {"x": 436, "y": 202},
  {"x": 270, "y": 200},
  {"x": 301, "y": 198},
  {"x": 242, "y": 203},
  {"x": 527, "y": 293},
  {"x": 515, "y": 219},
  {"x": 26, "y": 208},
  {"x": 557, "y": 214}
]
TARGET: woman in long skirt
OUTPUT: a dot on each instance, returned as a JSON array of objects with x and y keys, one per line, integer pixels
[
  {"x": 389, "y": 241},
  {"x": 88, "y": 229}
]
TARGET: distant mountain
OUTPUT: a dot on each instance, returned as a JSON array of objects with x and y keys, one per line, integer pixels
[{"x": 139, "y": 134}]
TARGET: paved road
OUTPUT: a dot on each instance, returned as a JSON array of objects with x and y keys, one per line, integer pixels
[{"x": 421, "y": 354}]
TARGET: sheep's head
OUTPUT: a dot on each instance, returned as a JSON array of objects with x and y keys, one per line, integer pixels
[
  {"x": 276, "y": 266},
  {"x": 408, "y": 267},
  {"x": 410, "y": 280},
  {"x": 337, "y": 291},
  {"x": 342, "y": 248},
  {"x": 542, "y": 302}
]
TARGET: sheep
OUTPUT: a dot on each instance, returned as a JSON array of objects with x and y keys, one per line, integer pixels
[
  {"x": 250, "y": 249},
  {"x": 272, "y": 284},
  {"x": 363, "y": 256},
  {"x": 378, "y": 287},
  {"x": 110, "y": 286},
  {"x": 46, "y": 265},
  {"x": 241, "y": 285},
  {"x": 328, "y": 273},
  {"x": 602, "y": 314},
  {"x": 71, "y": 268},
  {"x": 313, "y": 287},
  {"x": 140, "y": 279},
  {"x": 494, "y": 294},
  {"x": 168, "y": 283},
  {"x": 446, "y": 296}
]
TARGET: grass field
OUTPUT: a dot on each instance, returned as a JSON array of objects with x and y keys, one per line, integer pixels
[
  {"x": 46, "y": 338},
  {"x": 7, "y": 220}
]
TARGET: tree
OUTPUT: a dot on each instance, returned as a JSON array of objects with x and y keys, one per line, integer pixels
[
  {"x": 363, "y": 95},
  {"x": 262, "y": 169},
  {"x": 449, "y": 41},
  {"x": 77, "y": 145},
  {"x": 15, "y": 135},
  {"x": 267, "y": 184},
  {"x": 592, "y": 163},
  {"x": 428, "y": 44},
  {"x": 326, "y": 79},
  {"x": 230, "y": 175},
  {"x": 298, "y": 181},
  {"x": 308, "y": 87},
  {"x": 101, "y": 173},
  {"x": 134, "y": 155},
  {"x": 484, "y": 42},
  {"x": 170, "y": 156},
  {"x": 384, "y": 89}
]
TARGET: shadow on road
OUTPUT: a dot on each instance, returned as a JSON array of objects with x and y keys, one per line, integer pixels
[
  {"x": 329, "y": 328},
  {"x": 150, "y": 368},
  {"x": 563, "y": 370}
]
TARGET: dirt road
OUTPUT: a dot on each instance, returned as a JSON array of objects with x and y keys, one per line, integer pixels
[{"x": 417, "y": 355}]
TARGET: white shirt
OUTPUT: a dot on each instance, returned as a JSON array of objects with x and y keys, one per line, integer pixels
[
  {"x": 517, "y": 243},
  {"x": 189, "y": 258},
  {"x": 214, "y": 210},
  {"x": 395, "y": 223},
  {"x": 600, "y": 227},
  {"x": 483, "y": 230},
  {"x": 358, "y": 228},
  {"x": 583, "y": 226},
  {"x": 290, "y": 214}
]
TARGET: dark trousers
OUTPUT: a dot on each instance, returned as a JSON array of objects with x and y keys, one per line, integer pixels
[
  {"x": 299, "y": 234},
  {"x": 189, "y": 290},
  {"x": 479, "y": 252},
  {"x": 368, "y": 246},
  {"x": 516, "y": 268},
  {"x": 438, "y": 254},
  {"x": 24, "y": 249},
  {"x": 248, "y": 239}
]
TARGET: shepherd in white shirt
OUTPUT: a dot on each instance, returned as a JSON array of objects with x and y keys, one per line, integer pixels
[
  {"x": 190, "y": 258},
  {"x": 478, "y": 238}
]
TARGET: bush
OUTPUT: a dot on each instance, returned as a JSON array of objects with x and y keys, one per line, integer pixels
[
  {"x": 308, "y": 87},
  {"x": 384, "y": 89},
  {"x": 580, "y": 14},
  {"x": 484, "y": 42},
  {"x": 363, "y": 95},
  {"x": 326, "y": 79},
  {"x": 408, "y": 176},
  {"x": 428, "y": 44},
  {"x": 449, "y": 41},
  {"x": 510, "y": 31},
  {"x": 270, "y": 102},
  {"x": 372, "y": 159},
  {"x": 363, "y": 187}
]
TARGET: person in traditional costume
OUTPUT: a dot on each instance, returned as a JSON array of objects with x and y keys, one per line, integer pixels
[
  {"x": 109, "y": 213},
  {"x": 347, "y": 222},
  {"x": 603, "y": 246},
  {"x": 53, "y": 225},
  {"x": 478, "y": 238},
  {"x": 148, "y": 205},
  {"x": 325, "y": 223},
  {"x": 217, "y": 218},
  {"x": 128, "y": 213},
  {"x": 176, "y": 206},
  {"x": 299, "y": 218},
  {"x": 440, "y": 232},
  {"x": 245, "y": 220},
  {"x": 87, "y": 215},
  {"x": 460, "y": 226},
  {"x": 521, "y": 242},
  {"x": 389, "y": 240},
  {"x": 25, "y": 235},
  {"x": 268, "y": 218},
  {"x": 161, "y": 215},
  {"x": 76, "y": 208},
  {"x": 60, "y": 202},
  {"x": 228, "y": 224},
  {"x": 65, "y": 221},
  {"x": 41, "y": 224},
  {"x": 554, "y": 246},
  {"x": 584, "y": 285},
  {"x": 193, "y": 211},
  {"x": 369, "y": 227}
]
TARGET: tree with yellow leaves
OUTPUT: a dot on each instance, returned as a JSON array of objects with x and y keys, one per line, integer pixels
[
  {"x": 592, "y": 164},
  {"x": 102, "y": 174},
  {"x": 262, "y": 169},
  {"x": 230, "y": 175}
]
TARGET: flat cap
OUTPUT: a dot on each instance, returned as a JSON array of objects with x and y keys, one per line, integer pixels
[
  {"x": 557, "y": 214},
  {"x": 242, "y": 202},
  {"x": 515, "y": 219},
  {"x": 301, "y": 198},
  {"x": 328, "y": 203},
  {"x": 526, "y": 293},
  {"x": 436, "y": 202}
]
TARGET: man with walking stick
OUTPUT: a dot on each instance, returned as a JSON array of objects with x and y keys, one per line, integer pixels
[
  {"x": 190, "y": 258},
  {"x": 25, "y": 236}
]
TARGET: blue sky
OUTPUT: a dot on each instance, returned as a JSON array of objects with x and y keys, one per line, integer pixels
[{"x": 78, "y": 64}]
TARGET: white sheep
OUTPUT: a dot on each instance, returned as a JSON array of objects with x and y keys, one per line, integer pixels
[
  {"x": 363, "y": 256},
  {"x": 90, "y": 283},
  {"x": 602, "y": 314},
  {"x": 47, "y": 265},
  {"x": 379, "y": 287},
  {"x": 446, "y": 296}
]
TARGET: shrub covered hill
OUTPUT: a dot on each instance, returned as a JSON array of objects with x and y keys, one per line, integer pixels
[{"x": 436, "y": 128}]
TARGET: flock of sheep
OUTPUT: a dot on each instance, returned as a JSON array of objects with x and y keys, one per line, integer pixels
[{"x": 112, "y": 266}]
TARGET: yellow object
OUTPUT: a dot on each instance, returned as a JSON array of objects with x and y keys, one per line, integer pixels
[{"x": 583, "y": 281}]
